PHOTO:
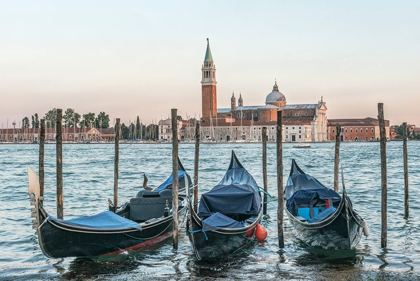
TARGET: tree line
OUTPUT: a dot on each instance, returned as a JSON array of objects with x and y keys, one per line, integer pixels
[
  {"x": 72, "y": 119},
  {"x": 139, "y": 131},
  {"x": 399, "y": 130}
]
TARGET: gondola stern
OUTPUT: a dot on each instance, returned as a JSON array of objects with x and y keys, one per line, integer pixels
[
  {"x": 234, "y": 162},
  {"x": 33, "y": 183},
  {"x": 295, "y": 169},
  {"x": 34, "y": 196}
]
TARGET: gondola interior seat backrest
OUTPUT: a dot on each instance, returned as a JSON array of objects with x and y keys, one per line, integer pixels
[{"x": 148, "y": 205}]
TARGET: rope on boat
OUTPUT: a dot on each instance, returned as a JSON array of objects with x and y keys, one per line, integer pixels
[
  {"x": 198, "y": 230},
  {"x": 263, "y": 191}
]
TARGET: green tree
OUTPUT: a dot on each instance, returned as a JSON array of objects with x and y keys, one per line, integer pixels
[
  {"x": 87, "y": 119},
  {"x": 51, "y": 118},
  {"x": 35, "y": 121},
  {"x": 102, "y": 121},
  {"x": 76, "y": 119},
  {"x": 25, "y": 123},
  {"x": 124, "y": 131},
  {"x": 68, "y": 118},
  {"x": 137, "y": 128},
  {"x": 179, "y": 117}
]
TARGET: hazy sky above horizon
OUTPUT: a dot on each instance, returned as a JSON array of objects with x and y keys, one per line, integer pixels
[{"x": 131, "y": 58}]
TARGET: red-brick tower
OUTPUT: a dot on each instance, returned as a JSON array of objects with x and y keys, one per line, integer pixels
[{"x": 208, "y": 87}]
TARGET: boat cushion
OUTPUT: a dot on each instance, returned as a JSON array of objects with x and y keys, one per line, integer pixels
[
  {"x": 323, "y": 215},
  {"x": 218, "y": 221},
  {"x": 104, "y": 220},
  {"x": 306, "y": 212}
]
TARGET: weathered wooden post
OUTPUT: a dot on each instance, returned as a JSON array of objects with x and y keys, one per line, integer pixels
[
  {"x": 116, "y": 160},
  {"x": 264, "y": 163},
  {"x": 59, "y": 157},
  {"x": 384, "y": 194},
  {"x": 406, "y": 209},
  {"x": 337, "y": 157},
  {"x": 280, "y": 178},
  {"x": 41, "y": 160},
  {"x": 175, "y": 177},
  {"x": 196, "y": 156}
]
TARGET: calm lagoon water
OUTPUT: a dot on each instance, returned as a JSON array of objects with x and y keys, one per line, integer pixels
[{"x": 88, "y": 184}]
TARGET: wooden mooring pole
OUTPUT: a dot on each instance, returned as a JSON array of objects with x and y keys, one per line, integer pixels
[
  {"x": 41, "y": 160},
  {"x": 59, "y": 157},
  {"x": 196, "y": 158},
  {"x": 406, "y": 206},
  {"x": 384, "y": 194},
  {"x": 175, "y": 177},
  {"x": 280, "y": 178},
  {"x": 337, "y": 157},
  {"x": 116, "y": 162},
  {"x": 264, "y": 163}
]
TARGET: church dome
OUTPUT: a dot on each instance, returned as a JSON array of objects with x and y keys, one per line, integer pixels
[{"x": 275, "y": 96}]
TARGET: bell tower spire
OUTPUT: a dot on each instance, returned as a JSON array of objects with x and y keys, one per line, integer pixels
[{"x": 208, "y": 86}]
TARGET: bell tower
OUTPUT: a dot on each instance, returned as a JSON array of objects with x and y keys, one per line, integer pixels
[{"x": 208, "y": 86}]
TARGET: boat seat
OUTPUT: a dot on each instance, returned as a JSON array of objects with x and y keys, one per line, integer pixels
[
  {"x": 322, "y": 216},
  {"x": 308, "y": 212},
  {"x": 148, "y": 205}
]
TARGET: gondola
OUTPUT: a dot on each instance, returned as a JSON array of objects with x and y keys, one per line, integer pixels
[
  {"x": 142, "y": 222},
  {"x": 227, "y": 215},
  {"x": 320, "y": 216}
]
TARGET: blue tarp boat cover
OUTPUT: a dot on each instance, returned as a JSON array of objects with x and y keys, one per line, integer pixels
[
  {"x": 104, "y": 220},
  {"x": 302, "y": 197},
  {"x": 170, "y": 180},
  {"x": 236, "y": 195},
  {"x": 218, "y": 221},
  {"x": 304, "y": 189},
  {"x": 298, "y": 180}
]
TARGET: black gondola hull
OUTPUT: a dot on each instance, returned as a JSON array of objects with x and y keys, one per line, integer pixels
[
  {"x": 216, "y": 244},
  {"x": 340, "y": 231},
  {"x": 58, "y": 241}
]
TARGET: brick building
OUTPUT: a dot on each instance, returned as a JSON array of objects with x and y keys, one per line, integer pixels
[{"x": 362, "y": 129}]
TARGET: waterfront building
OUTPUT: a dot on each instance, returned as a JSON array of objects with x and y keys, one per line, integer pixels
[
  {"x": 165, "y": 129},
  {"x": 301, "y": 122},
  {"x": 359, "y": 129},
  {"x": 30, "y": 135}
]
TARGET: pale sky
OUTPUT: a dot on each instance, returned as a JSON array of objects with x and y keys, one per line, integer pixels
[{"x": 131, "y": 58}]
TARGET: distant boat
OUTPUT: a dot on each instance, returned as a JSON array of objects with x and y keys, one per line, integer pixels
[
  {"x": 302, "y": 145},
  {"x": 143, "y": 221},
  {"x": 320, "y": 216}
]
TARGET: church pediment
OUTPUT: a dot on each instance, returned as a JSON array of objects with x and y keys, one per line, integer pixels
[{"x": 93, "y": 131}]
